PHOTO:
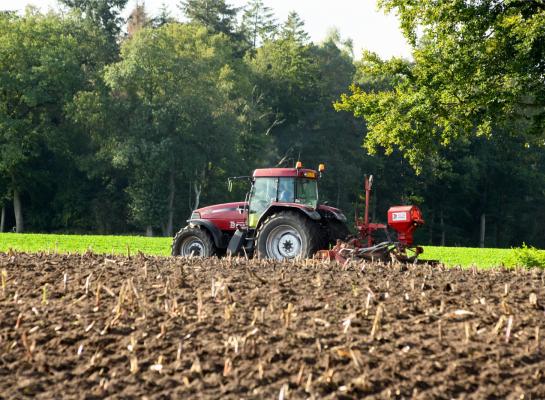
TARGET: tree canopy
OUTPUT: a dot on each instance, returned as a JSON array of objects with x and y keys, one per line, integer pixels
[
  {"x": 216, "y": 15},
  {"x": 104, "y": 14},
  {"x": 258, "y": 22},
  {"x": 108, "y": 131},
  {"x": 478, "y": 67},
  {"x": 45, "y": 61}
]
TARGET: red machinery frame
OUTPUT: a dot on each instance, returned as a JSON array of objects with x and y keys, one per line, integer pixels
[{"x": 403, "y": 219}]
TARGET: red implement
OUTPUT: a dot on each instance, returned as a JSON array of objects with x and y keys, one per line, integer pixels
[{"x": 402, "y": 219}]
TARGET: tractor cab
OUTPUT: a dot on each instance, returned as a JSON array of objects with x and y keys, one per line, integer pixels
[{"x": 281, "y": 187}]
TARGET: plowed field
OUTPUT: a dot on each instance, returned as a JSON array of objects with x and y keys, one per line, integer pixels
[{"x": 93, "y": 326}]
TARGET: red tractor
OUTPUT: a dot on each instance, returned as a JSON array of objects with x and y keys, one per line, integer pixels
[{"x": 282, "y": 219}]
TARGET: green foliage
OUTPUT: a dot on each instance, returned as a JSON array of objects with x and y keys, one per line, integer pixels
[
  {"x": 528, "y": 256},
  {"x": 101, "y": 132},
  {"x": 164, "y": 17},
  {"x": 175, "y": 81},
  {"x": 190, "y": 107},
  {"x": 216, "y": 15},
  {"x": 300, "y": 81},
  {"x": 43, "y": 64},
  {"x": 258, "y": 23},
  {"x": 45, "y": 60},
  {"x": 288, "y": 74},
  {"x": 105, "y": 14},
  {"x": 294, "y": 29},
  {"x": 477, "y": 66},
  {"x": 463, "y": 113}
]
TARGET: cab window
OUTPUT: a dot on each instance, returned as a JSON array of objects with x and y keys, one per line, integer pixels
[
  {"x": 306, "y": 191},
  {"x": 286, "y": 190},
  {"x": 263, "y": 193}
]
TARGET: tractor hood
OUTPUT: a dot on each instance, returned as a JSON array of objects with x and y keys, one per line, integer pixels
[
  {"x": 225, "y": 217},
  {"x": 217, "y": 210}
]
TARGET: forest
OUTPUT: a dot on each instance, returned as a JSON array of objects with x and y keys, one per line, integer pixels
[{"x": 114, "y": 126}]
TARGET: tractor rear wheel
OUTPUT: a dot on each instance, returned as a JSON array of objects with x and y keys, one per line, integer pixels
[
  {"x": 287, "y": 235},
  {"x": 193, "y": 242}
]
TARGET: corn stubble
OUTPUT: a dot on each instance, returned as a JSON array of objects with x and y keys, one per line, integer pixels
[{"x": 135, "y": 325}]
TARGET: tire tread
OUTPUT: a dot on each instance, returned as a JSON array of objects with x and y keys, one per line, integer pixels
[
  {"x": 310, "y": 227},
  {"x": 196, "y": 231}
]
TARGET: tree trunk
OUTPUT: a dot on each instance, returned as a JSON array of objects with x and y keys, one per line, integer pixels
[
  {"x": 171, "y": 194},
  {"x": 17, "y": 208},
  {"x": 497, "y": 235},
  {"x": 442, "y": 222},
  {"x": 149, "y": 231},
  {"x": 198, "y": 189},
  {"x": 2, "y": 218},
  {"x": 430, "y": 225},
  {"x": 483, "y": 230},
  {"x": 190, "y": 197},
  {"x": 255, "y": 32}
]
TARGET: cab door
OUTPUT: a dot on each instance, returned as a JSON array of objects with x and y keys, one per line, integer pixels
[{"x": 264, "y": 192}]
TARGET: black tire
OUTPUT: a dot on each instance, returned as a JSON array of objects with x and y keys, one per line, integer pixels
[
  {"x": 193, "y": 242},
  {"x": 287, "y": 235}
]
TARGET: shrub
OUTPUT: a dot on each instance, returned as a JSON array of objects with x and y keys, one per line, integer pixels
[{"x": 528, "y": 256}]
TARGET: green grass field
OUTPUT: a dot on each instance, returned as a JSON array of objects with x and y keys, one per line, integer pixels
[
  {"x": 31, "y": 242},
  {"x": 468, "y": 256},
  {"x": 452, "y": 256}
]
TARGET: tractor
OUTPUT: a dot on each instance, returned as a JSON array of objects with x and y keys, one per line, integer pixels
[{"x": 282, "y": 219}]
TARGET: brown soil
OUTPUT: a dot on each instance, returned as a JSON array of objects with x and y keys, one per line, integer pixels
[{"x": 164, "y": 327}]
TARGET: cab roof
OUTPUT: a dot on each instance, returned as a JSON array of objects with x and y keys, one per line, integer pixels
[{"x": 285, "y": 172}]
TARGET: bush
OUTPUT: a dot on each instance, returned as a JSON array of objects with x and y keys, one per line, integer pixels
[{"x": 528, "y": 256}]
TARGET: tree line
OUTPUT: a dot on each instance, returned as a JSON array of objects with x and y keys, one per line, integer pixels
[{"x": 113, "y": 126}]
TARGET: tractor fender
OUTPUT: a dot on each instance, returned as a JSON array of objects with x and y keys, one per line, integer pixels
[
  {"x": 214, "y": 231},
  {"x": 309, "y": 212},
  {"x": 339, "y": 216},
  {"x": 332, "y": 212}
]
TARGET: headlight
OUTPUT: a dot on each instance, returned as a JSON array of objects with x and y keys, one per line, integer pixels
[{"x": 195, "y": 215}]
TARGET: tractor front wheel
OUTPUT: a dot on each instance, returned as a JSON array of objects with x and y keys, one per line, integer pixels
[
  {"x": 193, "y": 242},
  {"x": 287, "y": 235}
]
